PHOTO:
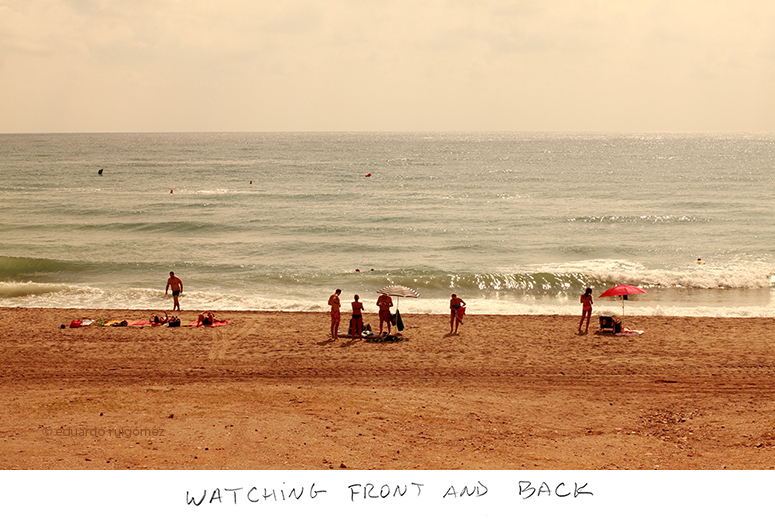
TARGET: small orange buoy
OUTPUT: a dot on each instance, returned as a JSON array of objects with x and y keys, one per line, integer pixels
[
  {"x": 368, "y": 174},
  {"x": 170, "y": 191},
  {"x": 251, "y": 182}
]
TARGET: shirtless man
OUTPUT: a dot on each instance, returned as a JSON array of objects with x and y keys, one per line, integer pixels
[
  {"x": 177, "y": 287},
  {"x": 384, "y": 302},
  {"x": 333, "y": 301}
]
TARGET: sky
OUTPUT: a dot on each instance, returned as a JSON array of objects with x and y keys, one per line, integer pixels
[{"x": 387, "y": 65}]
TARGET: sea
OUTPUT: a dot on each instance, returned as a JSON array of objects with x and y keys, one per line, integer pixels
[{"x": 514, "y": 223}]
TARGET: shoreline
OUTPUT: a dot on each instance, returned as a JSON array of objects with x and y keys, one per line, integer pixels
[
  {"x": 270, "y": 391},
  {"x": 700, "y": 312}
]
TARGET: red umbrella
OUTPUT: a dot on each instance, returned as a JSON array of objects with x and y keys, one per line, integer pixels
[{"x": 622, "y": 290}]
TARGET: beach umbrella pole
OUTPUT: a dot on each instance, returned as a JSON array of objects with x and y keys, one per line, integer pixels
[{"x": 622, "y": 291}]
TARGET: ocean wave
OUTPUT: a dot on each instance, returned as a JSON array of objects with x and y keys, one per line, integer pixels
[
  {"x": 716, "y": 279},
  {"x": 21, "y": 290},
  {"x": 537, "y": 280},
  {"x": 516, "y": 281},
  {"x": 656, "y": 303},
  {"x": 47, "y": 295},
  {"x": 629, "y": 219},
  {"x": 22, "y": 269},
  {"x": 563, "y": 280},
  {"x": 732, "y": 275},
  {"x": 11, "y": 267},
  {"x": 118, "y": 228}
]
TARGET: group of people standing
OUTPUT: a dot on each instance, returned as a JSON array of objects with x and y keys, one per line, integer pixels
[{"x": 384, "y": 302}]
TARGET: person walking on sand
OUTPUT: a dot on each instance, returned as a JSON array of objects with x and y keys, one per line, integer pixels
[
  {"x": 176, "y": 285},
  {"x": 357, "y": 327},
  {"x": 457, "y": 310},
  {"x": 334, "y": 303},
  {"x": 384, "y": 302},
  {"x": 586, "y": 309}
]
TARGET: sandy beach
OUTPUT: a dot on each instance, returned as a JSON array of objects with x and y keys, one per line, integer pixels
[{"x": 271, "y": 391}]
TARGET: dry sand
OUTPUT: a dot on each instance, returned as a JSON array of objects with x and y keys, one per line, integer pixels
[{"x": 270, "y": 391}]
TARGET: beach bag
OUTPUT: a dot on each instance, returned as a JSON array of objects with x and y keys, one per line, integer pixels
[
  {"x": 174, "y": 323},
  {"x": 76, "y": 324}
]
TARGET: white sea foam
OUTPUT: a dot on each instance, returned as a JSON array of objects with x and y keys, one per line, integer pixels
[{"x": 695, "y": 303}]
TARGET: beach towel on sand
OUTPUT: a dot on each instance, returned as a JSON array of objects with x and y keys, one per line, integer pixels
[
  {"x": 629, "y": 333},
  {"x": 193, "y": 324},
  {"x": 146, "y": 323},
  {"x": 399, "y": 323}
]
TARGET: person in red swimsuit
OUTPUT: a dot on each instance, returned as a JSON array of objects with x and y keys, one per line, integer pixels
[
  {"x": 586, "y": 309},
  {"x": 333, "y": 301},
  {"x": 384, "y": 302}
]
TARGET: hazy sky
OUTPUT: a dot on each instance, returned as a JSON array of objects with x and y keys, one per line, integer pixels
[{"x": 392, "y": 65}]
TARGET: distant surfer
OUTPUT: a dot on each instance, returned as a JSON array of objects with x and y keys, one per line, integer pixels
[
  {"x": 99, "y": 172},
  {"x": 699, "y": 261},
  {"x": 176, "y": 285}
]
